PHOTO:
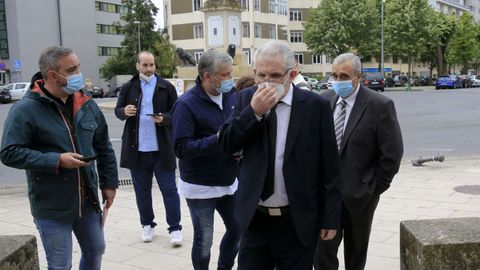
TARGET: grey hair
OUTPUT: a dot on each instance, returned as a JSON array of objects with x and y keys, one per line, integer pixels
[
  {"x": 143, "y": 52},
  {"x": 49, "y": 58},
  {"x": 273, "y": 49},
  {"x": 211, "y": 62},
  {"x": 352, "y": 58}
]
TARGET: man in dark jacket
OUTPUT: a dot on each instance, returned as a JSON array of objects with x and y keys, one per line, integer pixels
[
  {"x": 145, "y": 103},
  {"x": 207, "y": 174},
  {"x": 49, "y": 133}
]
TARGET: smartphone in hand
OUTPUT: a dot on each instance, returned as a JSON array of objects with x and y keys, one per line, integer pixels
[
  {"x": 88, "y": 158},
  {"x": 154, "y": 114}
]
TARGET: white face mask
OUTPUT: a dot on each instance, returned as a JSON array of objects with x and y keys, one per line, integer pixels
[{"x": 145, "y": 77}]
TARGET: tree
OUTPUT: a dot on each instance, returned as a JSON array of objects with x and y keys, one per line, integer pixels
[
  {"x": 139, "y": 20},
  {"x": 463, "y": 47},
  {"x": 406, "y": 23},
  {"x": 336, "y": 27}
]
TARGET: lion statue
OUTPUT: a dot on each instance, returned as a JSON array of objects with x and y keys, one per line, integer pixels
[
  {"x": 231, "y": 50},
  {"x": 185, "y": 57}
]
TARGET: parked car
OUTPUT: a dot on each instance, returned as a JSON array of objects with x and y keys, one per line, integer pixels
[
  {"x": 389, "y": 82},
  {"x": 475, "y": 80},
  {"x": 329, "y": 83},
  {"x": 375, "y": 81},
  {"x": 322, "y": 85},
  {"x": 448, "y": 81},
  {"x": 97, "y": 92},
  {"x": 18, "y": 89},
  {"x": 399, "y": 80},
  {"x": 466, "y": 82},
  {"x": 5, "y": 96}
]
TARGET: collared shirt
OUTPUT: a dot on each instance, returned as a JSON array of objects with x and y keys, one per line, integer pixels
[
  {"x": 147, "y": 134},
  {"x": 279, "y": 197},
  {"x": 350, "y": 101},
  {"x": 194, "y": 191}
]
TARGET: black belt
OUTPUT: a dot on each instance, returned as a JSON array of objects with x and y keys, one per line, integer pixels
[{"x": 274, "y": 211}]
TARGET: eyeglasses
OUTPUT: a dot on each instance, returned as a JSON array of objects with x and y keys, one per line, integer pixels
[{"x": 276, "y": 77}]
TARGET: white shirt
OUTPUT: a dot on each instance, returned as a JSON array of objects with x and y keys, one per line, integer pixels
[
  {"x": 194, "y": 191},
  {"x": 279, "y": 197},
  {"x": 350, "y": 101}
]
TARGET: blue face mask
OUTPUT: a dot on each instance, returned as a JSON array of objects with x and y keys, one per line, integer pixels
[
  {"x": 343, "y": 88},
  {"x": 74, "y": 83},
  {"x": 225, "y": 86}
]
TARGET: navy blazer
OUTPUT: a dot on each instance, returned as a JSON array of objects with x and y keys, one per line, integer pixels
[{"x": 311, "y": 164}]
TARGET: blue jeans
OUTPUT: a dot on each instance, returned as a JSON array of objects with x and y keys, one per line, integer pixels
[
  {"x": 56, "y": 237},
  {"x": 148, "y": 163},
  {"x": 202, "y": 212}
]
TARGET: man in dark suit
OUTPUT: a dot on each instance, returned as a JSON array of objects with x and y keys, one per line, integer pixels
[
  {"x": 371, "y": 148},
  {"x": 289, "y": 178}
]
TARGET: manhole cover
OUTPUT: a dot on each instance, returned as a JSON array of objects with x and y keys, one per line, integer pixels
[
  {"x": 125, "y": 182},
  {"x": 468, "y": 189}
]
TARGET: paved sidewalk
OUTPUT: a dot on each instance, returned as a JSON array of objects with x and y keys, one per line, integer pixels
[{"x": 416, "y": 193}]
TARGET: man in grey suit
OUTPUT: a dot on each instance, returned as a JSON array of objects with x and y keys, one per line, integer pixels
[{"x": 371, "y": 147}]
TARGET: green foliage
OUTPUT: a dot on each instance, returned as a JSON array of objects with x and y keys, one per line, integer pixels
[
  {"x": 406, "y": 28},
  {"x": 140, "y": 19},
  {"x": 336, "y": 27},
  {"x": 463, "y": 47}
]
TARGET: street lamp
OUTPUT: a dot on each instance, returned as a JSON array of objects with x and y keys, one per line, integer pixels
[
  {"x": 138, "y": 34},
  {"x": 382, "y": 56}
]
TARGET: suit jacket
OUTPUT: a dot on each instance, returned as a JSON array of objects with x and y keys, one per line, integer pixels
[
  {"x": 371, "y": 149},
  {"x": 310, "y": 168}
]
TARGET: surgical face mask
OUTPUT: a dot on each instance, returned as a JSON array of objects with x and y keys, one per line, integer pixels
[
  {"x": 145, "y": 77},
  {"x": 343, "y": 88},
  {"x": 225, "y": 86},
  {"x": 74, "y": 83},
  {"x": 279, "y": 87}
]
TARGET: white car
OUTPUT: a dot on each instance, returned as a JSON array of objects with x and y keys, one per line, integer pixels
[
  {"x": 475, "y": 80},
  {"x": 18, "y": 90}
]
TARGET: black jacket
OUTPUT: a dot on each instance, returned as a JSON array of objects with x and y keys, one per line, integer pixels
[{"x": 164, "y": 97}]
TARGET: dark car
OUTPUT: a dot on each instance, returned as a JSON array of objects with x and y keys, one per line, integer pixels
[
  {"x": 374, "y": 81},
  {"x": 448, "y": 81},
  {"x": 389, "y": 82},
  {"x": 97, "y": 92},
  {"x": 466, "y": 81},
  {"x": 5, "y": 96}
]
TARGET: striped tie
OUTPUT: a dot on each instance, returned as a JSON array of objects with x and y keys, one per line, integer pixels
[{"x": 340, "y": 122}]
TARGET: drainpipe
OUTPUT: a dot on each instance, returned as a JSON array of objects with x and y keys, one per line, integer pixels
[{"x": 59, "y": 23}]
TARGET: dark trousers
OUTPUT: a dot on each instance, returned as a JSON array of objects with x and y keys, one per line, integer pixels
[
  {"x": 149, "y": 163},
  {"x": 202, "y": 212},
  {"x": 355, "y": 234},
  {"x": 272, "y": 241}
]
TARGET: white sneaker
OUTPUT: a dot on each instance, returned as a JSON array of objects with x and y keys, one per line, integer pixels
[
  {"x": 148, "y": 233},
  {"x": 176, "y": 238}
]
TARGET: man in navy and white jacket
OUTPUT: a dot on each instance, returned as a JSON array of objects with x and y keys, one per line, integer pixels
[{"x": 207, "y": 174}]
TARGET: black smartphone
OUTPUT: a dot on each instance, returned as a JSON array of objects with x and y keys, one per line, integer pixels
[
  {"x": 87, "y": 159},
  {"x": 154, "y": 114}
]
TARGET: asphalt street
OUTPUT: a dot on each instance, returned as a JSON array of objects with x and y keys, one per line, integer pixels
[{"x": 433, "y": 122}]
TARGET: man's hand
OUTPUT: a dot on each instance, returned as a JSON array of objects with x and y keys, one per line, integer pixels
[
  {"x": 158, "y": 118},
  {"x": 264, "y": 99},
  {"x": 108, "y": 194},
  {"x": 327, "y": 234},
  {"x": 71, "y": 161},
  {"x": 130, "y": 110}
]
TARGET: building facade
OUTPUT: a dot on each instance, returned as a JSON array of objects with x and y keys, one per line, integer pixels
[
  {"x": 29, "y": 26},
  {"x": 458, "y": 7}
]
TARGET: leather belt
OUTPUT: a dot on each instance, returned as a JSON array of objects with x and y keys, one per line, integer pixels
[{"x": 274, "y": 211}]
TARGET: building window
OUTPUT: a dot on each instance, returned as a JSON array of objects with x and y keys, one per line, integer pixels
[
  {"x": 246, "y": 30},
  {"x": 247, "y": 56},
  {"x": 108, "y": 29},
  {"x": 197, "y": 56},
  {"x": 244, "y": 4},
  {"x": 111, "y": 8},
  {"x": 3, "y": 33},
  {"x": 296, "y": 15},
  {"x": 256, "y": 5},
  {"x": 317, "y": 59},
  {"x": 108, "y": 51},
  {"x": 395, "y": 59},
  {"x": 272, "y": 6},
  {"x": 299, "y": 57},
  {"x": 296, "y": 36},
  {"x": 198, "y": 31},
  {"x": 258, "y": 31},
  {"x": 197, "y": 5},
  {"x": 328, "y": 59},
  {"x": 272, "y": 32},
  {"x": 282, "y": 7}
]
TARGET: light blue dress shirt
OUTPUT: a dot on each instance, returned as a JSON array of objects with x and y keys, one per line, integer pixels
[{"x": 147, "y": 134}]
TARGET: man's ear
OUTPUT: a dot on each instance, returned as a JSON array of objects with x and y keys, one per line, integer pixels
[{"x": 293, "y": 74}]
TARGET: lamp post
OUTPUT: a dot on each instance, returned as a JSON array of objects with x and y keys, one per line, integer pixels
[
  {"x": 138, "y": 34},
  {"x": 382, "y": 55}
]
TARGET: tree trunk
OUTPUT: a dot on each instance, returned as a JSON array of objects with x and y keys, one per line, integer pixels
[{"x": 439, "y": 59}]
